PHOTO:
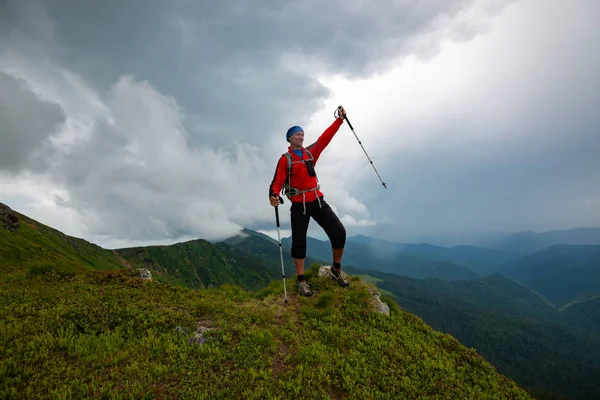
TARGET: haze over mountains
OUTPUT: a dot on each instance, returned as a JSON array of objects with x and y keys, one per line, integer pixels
[
  {"x": 519, "y": 242},
  {"x": 460, "y": 262},
  {"x": 529, "y": 242}
]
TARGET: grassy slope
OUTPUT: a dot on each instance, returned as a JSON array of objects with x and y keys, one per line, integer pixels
[
  {"x": 36, "y": 245},
  {"x": 106, "y": 333},
  {"x": 70, "y": 331}
]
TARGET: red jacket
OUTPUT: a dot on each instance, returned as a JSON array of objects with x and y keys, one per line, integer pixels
[{"x": 300, "y": 177}]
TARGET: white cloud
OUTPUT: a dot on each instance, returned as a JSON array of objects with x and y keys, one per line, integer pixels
[{"x": 124, "y": 165}]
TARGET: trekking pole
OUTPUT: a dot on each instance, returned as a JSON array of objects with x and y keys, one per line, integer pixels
[
  {"x": 336, "y": 114},
  {"x": 281, "y": 249}
]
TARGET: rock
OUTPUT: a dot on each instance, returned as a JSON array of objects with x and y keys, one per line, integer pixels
[
  {"x": 324, "y": 270},
  {"x": 380, "y": 306},
  {"x": 145, "y": 275},
  {"x": 8, "y": 218}
]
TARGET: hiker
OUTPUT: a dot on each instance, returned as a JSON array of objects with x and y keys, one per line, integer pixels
[{"x": 303, "y": 190}]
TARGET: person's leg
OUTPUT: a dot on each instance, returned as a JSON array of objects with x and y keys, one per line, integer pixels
[
  {"x": 336, "y": 232},
  {"x": 334, "y": 229},
  {"x": 337, "y": 255},
  {"x": 299, "y": 262},
  {"x": 299, "y": 223}
]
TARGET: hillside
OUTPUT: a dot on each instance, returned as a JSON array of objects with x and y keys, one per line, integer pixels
[
  {"x": 364, "y": 256},
  {"x": 587, "y": 310},
  {"x": 107, "y": 334},
  {"x": 561, "y": 273},
  {"x": 196, "y": 263},
  {"x": 73, "y": 330},
  {"x": 201, "y": 264},
  {"x": 523, "y": 335},
  {"x": 28, "y": 243}
]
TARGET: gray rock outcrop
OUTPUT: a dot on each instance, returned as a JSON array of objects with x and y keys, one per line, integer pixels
[
  {"x": 145, "y": 274},
  {"x": 9, "y": 219}
]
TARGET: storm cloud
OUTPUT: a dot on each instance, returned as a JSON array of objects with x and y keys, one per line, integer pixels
[
  {"x": 163, "y": 121},
  {"x": 27, "y": 122}
]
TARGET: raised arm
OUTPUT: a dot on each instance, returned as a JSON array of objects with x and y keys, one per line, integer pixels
[{"x": 317, "y": 147}]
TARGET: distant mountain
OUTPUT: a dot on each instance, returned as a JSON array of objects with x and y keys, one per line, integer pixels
[
  {"x": 250, "y": 260},
  {"x": 199, "y": 264},
  {"x": 529, "y": 242},
  {"x": 561, "y": 273},
  {"x": 518, "y": 331},
  {"x": 248, "y": 233},
  {"x": 480, "y": 260},
  {"x": 261, "y": 248},
  {"x": 369, "y": 257}
]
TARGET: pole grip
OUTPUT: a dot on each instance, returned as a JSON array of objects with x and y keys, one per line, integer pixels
[
  {"x": 277, "y": 215},
  {"x": 337, "y": 114},
  {"x": 348, "y": 121}
]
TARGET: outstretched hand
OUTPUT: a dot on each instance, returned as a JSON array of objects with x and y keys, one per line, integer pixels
[{"x": 341, "y": 113}]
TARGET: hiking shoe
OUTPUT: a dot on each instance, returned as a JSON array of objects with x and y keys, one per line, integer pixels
[
  {"x": 339, "y": 276},
  {"x": 304, "y": 289}
]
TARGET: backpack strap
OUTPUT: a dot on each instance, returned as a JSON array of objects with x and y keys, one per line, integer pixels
[
  {"x": 289, "y": 162},
  {"x": 309, "y": 154},
  {"x": 289, "y": 191},
  {"x": 288, "y": 156}
]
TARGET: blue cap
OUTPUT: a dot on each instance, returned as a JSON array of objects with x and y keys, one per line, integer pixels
[{"x": 291, "y": 131}]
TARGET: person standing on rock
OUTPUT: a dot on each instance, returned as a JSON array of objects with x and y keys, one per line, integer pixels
[{"x": 296, "y": 174}]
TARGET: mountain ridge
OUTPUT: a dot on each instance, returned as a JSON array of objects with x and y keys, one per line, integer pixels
[
  {"x": 74, "y": 329},
  {"x": 561, "y": 273}
]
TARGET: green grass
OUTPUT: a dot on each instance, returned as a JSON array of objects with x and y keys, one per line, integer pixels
[
  {"x": 107, "y": 334},
  {"x": 78, "y": 323},
  {"x": 36, "y": 244}
]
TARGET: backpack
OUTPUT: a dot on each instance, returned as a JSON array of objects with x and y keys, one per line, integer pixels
[{"x": 287, "y": 189}]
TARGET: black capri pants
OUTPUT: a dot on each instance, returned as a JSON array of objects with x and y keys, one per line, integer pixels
[{"x": 324, "y": 216}]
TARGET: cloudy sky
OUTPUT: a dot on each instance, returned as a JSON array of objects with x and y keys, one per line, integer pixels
[{"x": 143, "y": 122}]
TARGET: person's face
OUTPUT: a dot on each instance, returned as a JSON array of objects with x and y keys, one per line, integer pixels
[{"x": 297, "y": 139}]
